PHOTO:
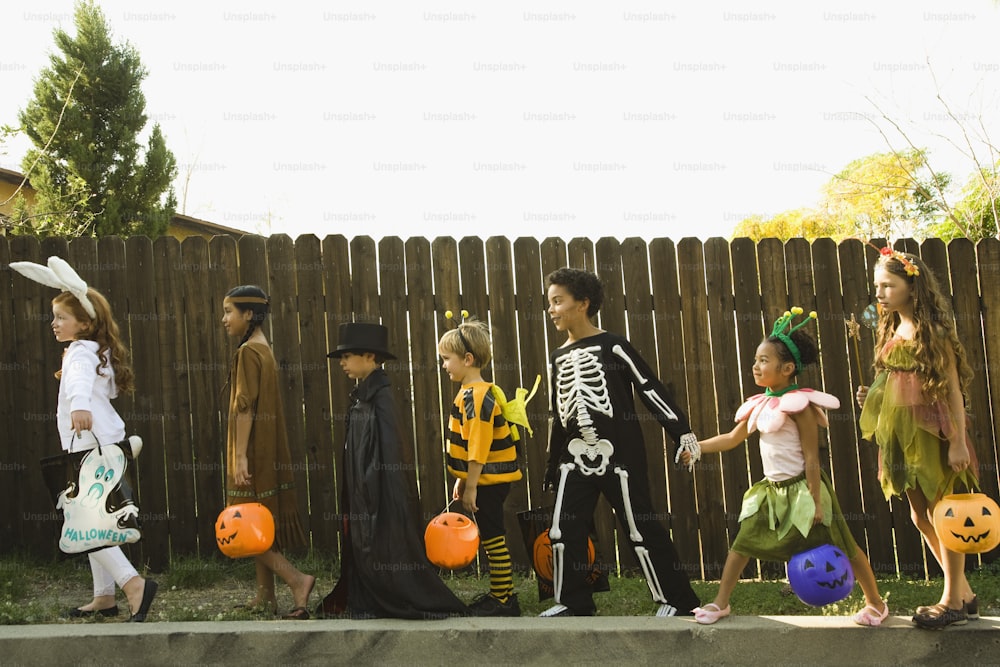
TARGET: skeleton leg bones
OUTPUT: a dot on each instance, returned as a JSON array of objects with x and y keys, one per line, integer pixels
[
  {"x": 640, "y": 551},
  {"x": 555, "y": 533}
]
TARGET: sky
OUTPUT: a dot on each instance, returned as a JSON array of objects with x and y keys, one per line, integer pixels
[{"x": 674, "y": 119}]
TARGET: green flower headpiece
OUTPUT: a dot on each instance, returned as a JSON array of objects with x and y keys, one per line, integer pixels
[{"x": 784, "y": 327}]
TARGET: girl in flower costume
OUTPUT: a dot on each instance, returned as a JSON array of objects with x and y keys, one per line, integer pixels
[
  {"x": 794, "y": 507},
  {"x": 915, "y": 412}
]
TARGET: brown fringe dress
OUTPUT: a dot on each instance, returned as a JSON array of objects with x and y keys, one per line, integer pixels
[{"x": 253, "y": 383}]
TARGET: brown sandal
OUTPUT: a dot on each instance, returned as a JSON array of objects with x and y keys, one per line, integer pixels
[{"x": 297, "y": 614}]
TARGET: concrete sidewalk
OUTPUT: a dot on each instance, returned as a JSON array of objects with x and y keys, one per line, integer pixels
[{"x": 612, "y": 640}]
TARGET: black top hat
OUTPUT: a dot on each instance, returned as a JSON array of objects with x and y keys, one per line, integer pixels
[{"x": 363, "y": 337}]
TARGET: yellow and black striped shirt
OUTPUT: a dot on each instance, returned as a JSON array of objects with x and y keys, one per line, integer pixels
[{"x": 478, "y": 432}]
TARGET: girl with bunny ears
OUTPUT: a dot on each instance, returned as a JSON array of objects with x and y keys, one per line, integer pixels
[{"x": 95, "y": 368}]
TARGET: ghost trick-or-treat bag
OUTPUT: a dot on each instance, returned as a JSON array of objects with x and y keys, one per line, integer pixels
[{"x": 95, "y": 490}]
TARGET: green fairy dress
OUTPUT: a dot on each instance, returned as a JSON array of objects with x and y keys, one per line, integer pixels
[{"x": 912, "y": 433}]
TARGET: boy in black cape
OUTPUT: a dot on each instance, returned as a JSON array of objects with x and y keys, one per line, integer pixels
[{"x": 384, "y": 569}]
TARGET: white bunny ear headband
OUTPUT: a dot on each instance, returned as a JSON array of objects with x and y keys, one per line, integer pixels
[{"x": 60, "y": 275}]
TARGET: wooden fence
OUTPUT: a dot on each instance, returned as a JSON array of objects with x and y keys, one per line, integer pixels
[{"x": 694, "y": 310}]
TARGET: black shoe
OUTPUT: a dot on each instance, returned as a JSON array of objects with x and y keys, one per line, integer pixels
[
  {"x": 972, "y": 608},
  {"x": 76, "y": 612},
  {"x": 148, "y": 593},
  {"x": 939, "y": 617},
  {"x": 487, "y": 605}
]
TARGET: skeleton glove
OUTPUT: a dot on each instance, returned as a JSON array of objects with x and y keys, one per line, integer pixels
[{"x": 689, "y": 444}]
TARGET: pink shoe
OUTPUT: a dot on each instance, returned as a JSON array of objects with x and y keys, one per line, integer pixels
[
  {"x": 871, "y": 616},
  {"x": 707, "y": 616}
]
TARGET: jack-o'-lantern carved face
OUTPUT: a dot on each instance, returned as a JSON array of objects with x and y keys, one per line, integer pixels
[
  {"x": 244, "y": 530},
  {"x": 967, "y": 523},
  {"x": 451, "y": 540},
  {"x": 821, "y": 576}
]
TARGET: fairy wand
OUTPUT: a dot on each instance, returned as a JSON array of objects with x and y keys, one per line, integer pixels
[{"x": 869, "y": 317}]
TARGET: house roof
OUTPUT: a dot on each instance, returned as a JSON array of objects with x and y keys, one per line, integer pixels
[
  {"x": 205, "y": 227},
  {"x": 12, "y": 177}
]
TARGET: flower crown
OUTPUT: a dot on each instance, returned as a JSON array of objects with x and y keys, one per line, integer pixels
[
  {"x": 784, "y": 327},
  {"x": 908, "y": 266}
]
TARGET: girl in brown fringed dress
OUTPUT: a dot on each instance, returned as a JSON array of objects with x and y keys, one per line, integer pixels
[{"x": 258, "y": 461}]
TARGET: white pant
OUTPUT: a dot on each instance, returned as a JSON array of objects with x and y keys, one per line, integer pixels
[{"x": 109, "y": 567}]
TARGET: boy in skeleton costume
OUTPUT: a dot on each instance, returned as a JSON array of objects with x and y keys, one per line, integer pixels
[{"x": 596, "y": 447}]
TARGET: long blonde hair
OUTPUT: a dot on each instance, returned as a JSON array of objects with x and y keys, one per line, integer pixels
[
  {"x": 934, "y": 334},
  {"x": 104, "y": 331}
]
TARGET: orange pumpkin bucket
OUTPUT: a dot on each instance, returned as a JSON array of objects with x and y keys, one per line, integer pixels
[
  {"x": 244, "y": 530},
  {"x": 451, "y": 540},
  {"x": 967, "y": 523}
]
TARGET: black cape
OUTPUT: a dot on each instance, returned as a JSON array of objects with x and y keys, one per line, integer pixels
[{"x": 384, "y": 570}]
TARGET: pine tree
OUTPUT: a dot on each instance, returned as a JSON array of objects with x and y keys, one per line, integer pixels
[{"x": 91, "y": 175}]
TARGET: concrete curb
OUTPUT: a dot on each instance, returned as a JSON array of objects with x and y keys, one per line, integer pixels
[{"x": 611, "y": 640}]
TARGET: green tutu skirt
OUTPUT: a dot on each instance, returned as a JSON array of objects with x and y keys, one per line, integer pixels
[
  {"x": 911, "y": 435},
  {"x": 776, "y": 521}
]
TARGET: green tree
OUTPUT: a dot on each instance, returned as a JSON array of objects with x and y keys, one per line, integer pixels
[
  {"x": 975, "y": 215},
  {"x": 886, "y": 195},
  {"x": 89, "y": 171},
  {"x": 801, "y": 222}
]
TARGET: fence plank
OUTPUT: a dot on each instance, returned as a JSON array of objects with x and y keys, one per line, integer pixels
[
  {"x": 531, "y": 307},
  {"x": 339, "y": 307},
  {"x": 174, "y": 397},
  {"x": 146, "y": 417},
  {"x": 13, "y": 468},
  {"x": 34, "y": 394},
  {"x": 988, "y": 260},
  {"x": 638, "y": 299},
  {"x": 698, "y": 365},
  {"x": 364, "y": 279},
  {"x": 968, "y": 325},
  {"x": 672, "y": 364},
  {"x": 725, "y": 369},
  {"x": 447, "y": 297},
  {"x": 749, "y": 334},
  {"x": 855, "y": 286},
  {"x": 554, "y": 256},
  {"x": 392, "y": 274},
  {"x": 287, "y": 348},
  {"x": 832, "y": 336},
  {"x": 317, "y": 436},
  {"x": 507, "y": 372},
  {"x": 427, "y": 401},
  {"x": 207, "y": 445}
]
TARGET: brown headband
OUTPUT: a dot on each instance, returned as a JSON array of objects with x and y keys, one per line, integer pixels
[{"x": 248, "y": 299}]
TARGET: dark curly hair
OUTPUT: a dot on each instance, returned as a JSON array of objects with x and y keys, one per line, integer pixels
[
  {"x": 808, "y": 348},
  {"x": 581, "y": 284}
]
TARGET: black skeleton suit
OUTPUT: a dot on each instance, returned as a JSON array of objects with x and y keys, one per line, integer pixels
[{"x": 597, "y": 447}]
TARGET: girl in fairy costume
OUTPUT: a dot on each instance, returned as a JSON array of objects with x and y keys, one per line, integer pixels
[
  {"x": 794, "y": 507},
  {"x": 915, "y": 410}
]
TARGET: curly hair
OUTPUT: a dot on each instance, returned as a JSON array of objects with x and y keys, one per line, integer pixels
[
  {"x": 581, "y": 284},
  {"x": 104, "y": 331},
  {"x": 808, "y": 348},
  {"x": 935, "y": 334}
]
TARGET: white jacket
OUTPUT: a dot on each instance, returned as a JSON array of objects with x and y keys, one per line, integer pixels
[{"x": 82, "y": 388}]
